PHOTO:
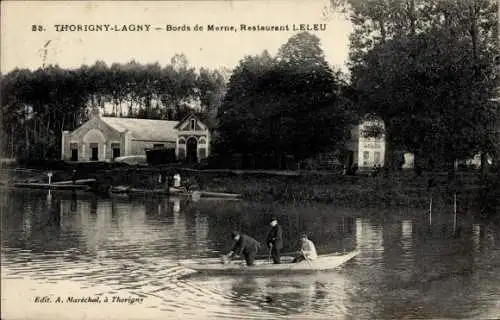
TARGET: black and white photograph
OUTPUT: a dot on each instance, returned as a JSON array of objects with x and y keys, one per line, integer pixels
[{"x": 250, "y": 159}]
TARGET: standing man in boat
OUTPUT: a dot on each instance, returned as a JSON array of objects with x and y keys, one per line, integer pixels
[
  {"x": 307, "y": 250},
  {"x": 275, "y": 240},
  {"x": 245, "y": 245}
]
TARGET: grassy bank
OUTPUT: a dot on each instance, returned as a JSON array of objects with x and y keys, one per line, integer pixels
[{"x": 400, "y": 188}]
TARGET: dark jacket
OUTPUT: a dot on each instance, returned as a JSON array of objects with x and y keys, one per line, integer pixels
[
  {"x": 245, "y": 244},
  {"x": 275, "y": 237}
]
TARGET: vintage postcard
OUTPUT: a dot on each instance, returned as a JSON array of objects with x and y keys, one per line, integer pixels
[{"x": 263, "y": 159}]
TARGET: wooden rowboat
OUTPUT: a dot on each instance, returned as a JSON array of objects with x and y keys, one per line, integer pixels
[
  {"x": 322, "y": 263},
  {"x": 51, "y": 186},
  {"x": 202, "y": 194}
]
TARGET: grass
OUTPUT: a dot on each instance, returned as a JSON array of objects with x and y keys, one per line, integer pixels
[{"x": 400, "y": 188}]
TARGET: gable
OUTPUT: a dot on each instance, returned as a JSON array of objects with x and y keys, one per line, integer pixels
[
  {"x": 186, "y": 124},
  {"x": 94, "y": 123}
]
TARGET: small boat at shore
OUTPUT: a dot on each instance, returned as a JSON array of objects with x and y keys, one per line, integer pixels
[
  {"x": 196, "y": 195},
  {"x": 203, "y": 194},
  {"x": 322, "y": 263},
  {"x": 50, "y": 186}
]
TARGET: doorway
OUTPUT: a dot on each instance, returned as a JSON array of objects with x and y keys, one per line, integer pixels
[
  {"x": 74, "y": 151},
  {"x": 192, "y": 150},
  {"x": 116, "y": 150},
  {"x": 349, "y": 160}
]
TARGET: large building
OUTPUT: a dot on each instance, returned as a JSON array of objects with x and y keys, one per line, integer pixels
[{"x": 106, "y": 138}]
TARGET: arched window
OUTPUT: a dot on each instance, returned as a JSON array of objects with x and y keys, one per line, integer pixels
[
  {"x": 202, "y": 141},
  {"x": 182, "y": 141}
]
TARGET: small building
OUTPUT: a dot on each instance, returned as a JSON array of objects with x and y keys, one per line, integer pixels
[
  {"x": 106, "y": 138},
  {"x": 366, "y": 151}
]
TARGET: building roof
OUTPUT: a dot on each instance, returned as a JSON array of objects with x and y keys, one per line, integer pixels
[{"x": 144, "y": 129}]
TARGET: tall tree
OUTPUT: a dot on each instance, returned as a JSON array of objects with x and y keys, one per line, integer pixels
[
  {"x": 426, "y": 91},
  {"x": 236, "y": 118},
  {"x": 385, "y": 28},
  {"x": 290, "y": 105}
]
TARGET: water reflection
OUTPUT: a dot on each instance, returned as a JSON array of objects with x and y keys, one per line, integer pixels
[
  {"x": 405, "y": 269},
  {"x": 407, "y": 240},
  {"x": 310, "y": 296}
]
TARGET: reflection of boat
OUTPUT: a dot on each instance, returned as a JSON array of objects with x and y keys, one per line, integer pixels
[{"x": 322, "y": 263}]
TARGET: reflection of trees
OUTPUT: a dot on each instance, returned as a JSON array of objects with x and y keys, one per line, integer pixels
[
  {"x": 489, "y": 203},
  {"x": 41, "y": 220}
]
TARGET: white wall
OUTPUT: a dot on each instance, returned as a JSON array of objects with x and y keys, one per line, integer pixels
[{"x": 371, "y": 151}]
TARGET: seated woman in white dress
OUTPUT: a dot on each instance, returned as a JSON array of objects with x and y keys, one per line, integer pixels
[{"x": 307, "y": 250}]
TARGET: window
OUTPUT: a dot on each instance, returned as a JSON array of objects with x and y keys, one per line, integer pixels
[
  {"x": 116, "y": 150},
  {"x": 202, "y": 141},
  {"x": 203, "y": 153},
  {"x": 181, "y": 153},
  {"x": 193, "y": 124},
  {"x": 366, "y": 155},
  {"x": 94, "y": 152},
  {"x": 376, "y": 156},
  {"x": 182, "y": 141},
  {"x": 74, "y": 151}
]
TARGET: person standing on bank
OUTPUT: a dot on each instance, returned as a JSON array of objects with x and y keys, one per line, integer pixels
[
  {"x": 275, "y": 240},
  {"x": 177, "y": 180},
  {"x": 245, "y": 245}
]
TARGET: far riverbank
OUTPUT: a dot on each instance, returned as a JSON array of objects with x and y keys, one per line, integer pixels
[{"x": 398, "y": 189}]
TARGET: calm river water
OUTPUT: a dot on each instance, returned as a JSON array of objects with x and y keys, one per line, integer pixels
[{"x": 76, "y": 245}]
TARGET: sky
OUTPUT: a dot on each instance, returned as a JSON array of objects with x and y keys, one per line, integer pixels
[{"x": 23, "y": 48}]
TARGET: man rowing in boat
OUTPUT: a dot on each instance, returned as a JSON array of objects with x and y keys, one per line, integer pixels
[
  {"x": 245, "y": 245},
  {"x": 307, "y": 250}
]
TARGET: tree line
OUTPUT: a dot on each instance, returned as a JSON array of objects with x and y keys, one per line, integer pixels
[
  {"x": 38, "y": 105},
  {"x": 425, "y": 67}
]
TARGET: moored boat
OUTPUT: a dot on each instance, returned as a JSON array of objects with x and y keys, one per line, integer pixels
[
  {"x": 50, "y": 186},
  {"x": 203, "y": 194},
  {"x": 322, "y": 263}
]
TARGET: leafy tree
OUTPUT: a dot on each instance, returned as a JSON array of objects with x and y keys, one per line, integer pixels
[
  {"x": 421, "y": 87},
  {"x": 211, "y": 87},
  {"x": 236, "y": 117},
  {"x": 288, "y": 105},
  {"x": 425, "y": 68}
]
